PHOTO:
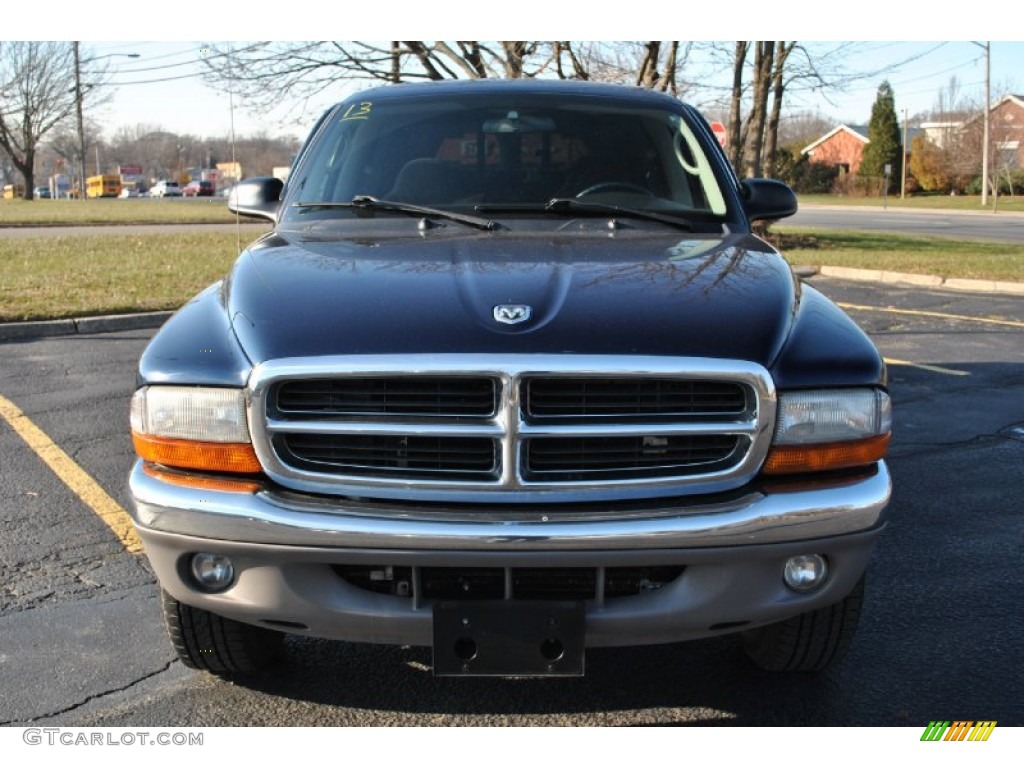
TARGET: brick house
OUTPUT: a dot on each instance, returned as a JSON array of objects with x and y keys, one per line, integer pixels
[
  {"x": 1006, "y": 130},
  {"x": 1006, "y": 139},
  {"x": 843, "y": 147}
]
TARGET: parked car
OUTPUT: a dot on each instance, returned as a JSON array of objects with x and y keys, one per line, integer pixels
[
  {"x": 41, "y": 193},
  {"x": 198, "y": 189},
  {"x": 165, "y": 188},
  {"x": 127, "y": 192},
  {"x": 512, "y": 378}
]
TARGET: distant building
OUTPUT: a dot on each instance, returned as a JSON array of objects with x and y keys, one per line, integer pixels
[
  {"x": 230, "y": 172},
  {"x": 843, "y": 147},
  {"x": 942, "y": 135},
  {"x": 1006, "y": 130}
]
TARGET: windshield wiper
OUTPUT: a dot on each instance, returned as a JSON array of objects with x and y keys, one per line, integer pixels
[
  {"x": 572, "y": 205},
  {"x": 370, "y": 203}
]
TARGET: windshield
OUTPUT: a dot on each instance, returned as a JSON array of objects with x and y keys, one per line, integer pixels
[{"x": 501, "y": 151}]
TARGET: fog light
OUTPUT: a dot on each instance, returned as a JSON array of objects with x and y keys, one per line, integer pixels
[
  {"x": 213, "y": 573},
  {"x": 805, "y": 573}
]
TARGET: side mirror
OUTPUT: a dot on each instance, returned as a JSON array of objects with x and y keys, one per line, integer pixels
[
  {"x": 767, "y": 199},
  {"x": 259, "y": 197}
]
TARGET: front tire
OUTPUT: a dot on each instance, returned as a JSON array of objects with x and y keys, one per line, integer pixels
[
  {"x": 810, "y": 642},
  {"x": 212, "y": 643}
]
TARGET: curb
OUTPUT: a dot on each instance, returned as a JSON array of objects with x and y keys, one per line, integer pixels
[
  {"x": 82, "y": 325},
  {"x": 924, "y": 281}
]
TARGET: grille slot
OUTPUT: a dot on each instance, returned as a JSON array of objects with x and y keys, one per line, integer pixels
[
  {"x": 393, "y": 455},
  {"x": 526, "y": 583},
  {"x": 566, "y": 459},
  {"x": 425, "y": 396},
  {"x": 617, "y": 398}
]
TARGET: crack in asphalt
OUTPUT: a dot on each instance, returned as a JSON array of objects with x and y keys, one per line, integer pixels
[
  {"x": 38, "y": 601},
  {"x": 95, "y": 696}
]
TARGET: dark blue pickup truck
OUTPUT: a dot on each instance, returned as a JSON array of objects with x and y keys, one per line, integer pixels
[{"x": 511, "y": 377}]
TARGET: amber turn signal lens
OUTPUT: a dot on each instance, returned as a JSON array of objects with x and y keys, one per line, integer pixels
[
  {"x": 790, "y": 459},
  {"x": 203, "y": 482},
  {"x": 193, "y": 454}
]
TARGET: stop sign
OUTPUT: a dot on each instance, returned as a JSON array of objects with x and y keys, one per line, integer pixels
[{"x": 719, "y": 130}]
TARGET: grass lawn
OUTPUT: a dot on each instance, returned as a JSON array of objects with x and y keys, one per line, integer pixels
[
  {"x": 64, "y": 276},
  {"x": 35, "y": 213},
  {"x": 964, "y": 203},
  {"x": 899, "y": 253},
  {"x": 57, "y": 277}
]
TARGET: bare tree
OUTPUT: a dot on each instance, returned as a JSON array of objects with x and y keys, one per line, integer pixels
[
  {"x": 660, "y": 65},
  {"x": 760, "y": 84},
  {"x": 771, "y": 140},
  {"x": 36, "y": 93},
  {"x": 263, "y": 71},
  {"x": 764, "y": 65},
  {"x": 735, "y": 136},
  {"x": 7, "y": 169}
]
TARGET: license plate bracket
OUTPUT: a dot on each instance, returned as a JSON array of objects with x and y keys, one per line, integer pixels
[{"x": 532, "y": 638}]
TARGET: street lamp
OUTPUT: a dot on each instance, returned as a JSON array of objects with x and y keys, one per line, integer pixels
[{"x": 78, "y": 105}]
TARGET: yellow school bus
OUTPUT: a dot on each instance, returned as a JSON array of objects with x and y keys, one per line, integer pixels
[{"x": 108, "y": 185}]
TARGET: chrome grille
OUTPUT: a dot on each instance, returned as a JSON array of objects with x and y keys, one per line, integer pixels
[
  {"x": 388, "y": 396},
  {"x": 525, "y": 428},
  {"x": 573, "y": 459},
  {"x": 398, "y": 456},
  {"x": 602, "y": 398}
]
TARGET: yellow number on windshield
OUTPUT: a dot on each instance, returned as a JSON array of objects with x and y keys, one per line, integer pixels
[{"x": 360, "y": 111}]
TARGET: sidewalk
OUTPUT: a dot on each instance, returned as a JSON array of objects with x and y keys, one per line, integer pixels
[{"x": 907, "y": 278}]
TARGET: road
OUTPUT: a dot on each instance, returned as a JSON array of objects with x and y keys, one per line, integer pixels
[
  {"x": 972, "y": 226},
  {"x": 1007, "y": 228},
  {"x": 81, "y": 641}
]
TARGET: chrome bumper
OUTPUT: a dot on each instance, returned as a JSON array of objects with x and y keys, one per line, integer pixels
[
  {"x": 286, "y": 549},
  {"x": 271, "y": 517}
]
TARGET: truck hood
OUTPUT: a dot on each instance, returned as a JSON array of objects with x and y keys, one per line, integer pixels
[{"x": 629, "y": 293}]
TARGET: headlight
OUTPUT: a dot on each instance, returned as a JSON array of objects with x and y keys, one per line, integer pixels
[
  {"x": 193, "y": 427},
  {"x": 829, "y": 429}
]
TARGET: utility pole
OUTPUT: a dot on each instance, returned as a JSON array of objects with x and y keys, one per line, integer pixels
[
  {"x": 988, "y": 111},
  {"x": 81, "y": 123},
  {"x": 906, "y": 149},
  {"x": 78, "y": 109}
]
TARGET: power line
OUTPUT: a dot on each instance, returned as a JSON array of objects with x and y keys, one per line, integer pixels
[{"x": 189, "y": 76}]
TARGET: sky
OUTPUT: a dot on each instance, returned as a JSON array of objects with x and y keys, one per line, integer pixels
[{"x": 164, "y": 85}]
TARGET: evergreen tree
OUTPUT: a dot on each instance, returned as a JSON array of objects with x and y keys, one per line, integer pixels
[{"x": 885, "y": 144}]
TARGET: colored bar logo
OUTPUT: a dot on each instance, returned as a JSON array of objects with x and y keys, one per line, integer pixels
[{"x": 958, "y": 730}]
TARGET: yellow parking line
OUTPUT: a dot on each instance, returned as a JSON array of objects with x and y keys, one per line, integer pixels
[
  {"x": 73, "y": 476},
  {"x": 926, "y": 367},
  {"x": 927, "y": 313}
]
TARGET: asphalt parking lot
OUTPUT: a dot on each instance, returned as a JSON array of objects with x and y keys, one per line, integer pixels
[{"x": 81, "y": 641}]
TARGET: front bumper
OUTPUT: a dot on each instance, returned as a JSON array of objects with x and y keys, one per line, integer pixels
[{"x": 286, "y": 547}]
